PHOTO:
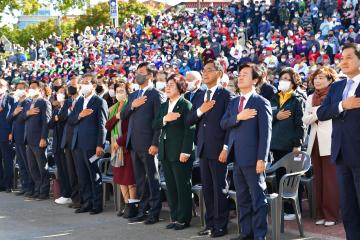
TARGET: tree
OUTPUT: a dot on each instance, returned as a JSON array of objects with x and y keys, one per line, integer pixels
[
  {"x": 94, "y": 16},
  {"x": 32, "y": 6},
  {"x": 127, "y": 9}
]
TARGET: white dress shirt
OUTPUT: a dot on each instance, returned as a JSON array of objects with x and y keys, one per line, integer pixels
[
  {"x": 213, "y": 89},
  {"x": 247, "y": 97},
  {"x": 86, "y": 100},
  {"x": 351, "y": 91},
  {"x": 144, "y": 90}
]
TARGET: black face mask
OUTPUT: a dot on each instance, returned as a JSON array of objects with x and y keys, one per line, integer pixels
[
  {"x": 99, "y": 89},
  {"x": 72, "y": 90}
]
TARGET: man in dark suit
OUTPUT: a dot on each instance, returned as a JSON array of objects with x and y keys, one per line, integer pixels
[
  {"x": 143, "y": 142},
  {"x": 248, "y": 120},
  {"x": 342, "y": 105},
  {"x": 17, "y": 134},
  {"x": 37, "y": 117},
  {"x": 66, "y": 142},
  {"x": 207, "y": 111},
  {"x": 88, "y": 118},
  {"x": 6, "y": 151}
]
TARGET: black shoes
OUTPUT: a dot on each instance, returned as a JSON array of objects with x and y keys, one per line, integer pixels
[
  {"x": 28, "y": 194},
  {"x": 242, "y": 237},
  {"x": 22, "y": 192},
  {"x": 96, "y": 211},
  {"x": 151, "y": 220},
  {"x": 205, "y": 232},
  {"x": 218, "y": 233},
  {"x": 83, "y": 210},
  {"x": 42, "y": 197},
  {"x": 132, "y": 210},
  {"x": 181, "y": 226},
  {"x": 138, "y": 218},
  {"x": 34, "y": 195},
  {"x": 171, "y": 225}
]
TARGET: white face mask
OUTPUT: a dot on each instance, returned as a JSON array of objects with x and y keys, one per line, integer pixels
[
  {"x": 19, "y": 93},
  {"x": 284, "y": 86},
  {"x": 136, "y": 86},
  {"x": 112, "y": 93},
  {"x": 160, "y": 85},
  {"x": 33, "y": 92},
  {"x": 2, "y": 90},
  {"x": 191, "y": 86},
  {"x": 86, "y": 89},
  {"x": 60, "y": 97}
]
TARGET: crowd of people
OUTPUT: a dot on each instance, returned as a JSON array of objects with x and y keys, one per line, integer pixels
[{"x": 246, "y": 83}]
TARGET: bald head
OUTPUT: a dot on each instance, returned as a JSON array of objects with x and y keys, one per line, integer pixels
[{"x": 193, "y": 78}]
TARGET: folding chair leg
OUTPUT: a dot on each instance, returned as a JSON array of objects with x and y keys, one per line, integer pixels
[
  {"x": 194, "y": 208},
  {"x": 104, "y": 194},
  {"x": 282, "y": 217},
  {"x": 116, "y": 196},
  {"x": 202, "y": 211}
]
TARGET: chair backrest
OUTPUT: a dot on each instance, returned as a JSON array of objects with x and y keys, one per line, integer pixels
[
  {"x": 104, "y": 164},
  {"x": 295, "y": 167}
]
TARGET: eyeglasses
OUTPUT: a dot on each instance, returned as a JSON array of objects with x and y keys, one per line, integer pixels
[{"x": 209, "y": 70}]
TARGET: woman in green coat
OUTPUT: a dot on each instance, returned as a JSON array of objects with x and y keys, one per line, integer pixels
[{"x": 176, "y": 146}]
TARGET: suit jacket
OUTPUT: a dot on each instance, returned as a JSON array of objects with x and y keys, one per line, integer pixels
[
  {"x": 66, "y": 140},
  {"x": 210, "y": 136},
  {"x": 320, "y": 129},
  {"x": 188, "y": 94},
  {"x": 90, "y": 131},
  {"x": 58, "y": 129},
  {"x": 18, "y": 122},
  {"x": 141, "y": 135},
  {"x": 7, "y": 105},
  {"x": 346, "y": 129},
  {"x": 179, "y": 135},
  {"x": 249, "y": 140},
  {"x": 37, "y": 126}
]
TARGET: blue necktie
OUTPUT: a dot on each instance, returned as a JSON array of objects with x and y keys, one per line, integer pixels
[
  {"x": 191, "y": 95},
  {"x": 349, "y": 83},
  {"x": 140, "y": 93}
]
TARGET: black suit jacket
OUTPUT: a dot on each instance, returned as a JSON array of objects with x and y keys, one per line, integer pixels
[
  {"x": 68, "y": 128},
  {"x": 210, "y": 136},
  {"x": 141, "y": 135},
  {"x": 18, "y": 122}
]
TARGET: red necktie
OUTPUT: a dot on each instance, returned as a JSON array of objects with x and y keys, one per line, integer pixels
[{"x": 241, "y": 105}]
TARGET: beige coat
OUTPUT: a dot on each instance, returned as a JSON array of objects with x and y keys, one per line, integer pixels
[{"x": 322, "y": 129}]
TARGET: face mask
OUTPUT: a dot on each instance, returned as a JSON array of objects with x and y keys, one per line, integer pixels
[
  {"x": 99, "y": 89},
  {"x": 72, "y": 90},
  {"x": 314, "y": 49},
  {"x": 2, "y": 90},
  {"x": 56, "y": 88},
  {"x": 191, "y": 86},
  {"x": 140, "y": 79},
  {"x": 283, "y": 60},
  {"x": 33, "y": 92},
  {"x": 284, "y": 86},
  {"x": 19, "y": 93},
  {"x": 160, "y": 85},
  {"x": 86, "y": 89},
  {"x": 112, "y": 93},
  {"x": 60, "y": 97},
  {"x": 120, "y": 97},
  {"x": 135, "y": 86}
]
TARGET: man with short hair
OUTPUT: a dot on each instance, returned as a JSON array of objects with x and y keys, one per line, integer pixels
[
  {"x": 143, "y": 142},
  {"x": 342, "y": 105},
  {"x": 193, "y": 79},
  {"x": 207, "y": 111},
  {"x": 6, "y": 151},
  {"x": 88, "y": 118},
  {"x": 37, "y": 116}
]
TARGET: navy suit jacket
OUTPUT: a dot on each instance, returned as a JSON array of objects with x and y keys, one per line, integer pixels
[
  {"x": 249, "y": 140},
  {"x": 37, "y": 126},
  {"x": 58, "y": 129},
  {"x": 345, "y": 137},
  {"x": 188, "y": 94},
  {"x": 210, "y": 136},
  {"x": 18, "y": 122},
  {"x": 5, "y": 126},
  {"x": 141, "y": 134},
  {"x": 89, "y": 132},
  {"x": 64, "y": 113}
]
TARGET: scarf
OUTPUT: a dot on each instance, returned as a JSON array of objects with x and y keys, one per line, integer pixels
[
  {"x": 284, "y": 97},
  {"x": 319, "y": 96},
  {"x": 113, "y": 112}
]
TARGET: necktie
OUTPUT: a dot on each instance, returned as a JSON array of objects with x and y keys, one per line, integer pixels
[
  {"x": 241, "y": 105},
  {"x": 140, "y": 92},
  {"x": 191, "y": 95},
  {"x": 349, "y": 83},
  {"x": 208, "y": 95}
]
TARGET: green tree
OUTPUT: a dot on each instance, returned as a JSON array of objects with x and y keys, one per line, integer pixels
[
  {"x": 133, "y": 7},
  {"x": 94, "y": 16}
]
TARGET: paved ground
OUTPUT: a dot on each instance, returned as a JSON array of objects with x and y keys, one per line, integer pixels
[{"x": 22, "y": 219}]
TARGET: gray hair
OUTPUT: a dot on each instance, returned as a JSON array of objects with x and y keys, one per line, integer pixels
[{"x": 195, "y": 75}]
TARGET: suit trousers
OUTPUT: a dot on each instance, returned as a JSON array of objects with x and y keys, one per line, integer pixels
[
  {"x": 37, "y": 164},
  {"x": 27, "y": 184},
  {"x": 251, "y": 199},
  {"x": 6, "y": 164},
  {"x": 215, "y": 189},
  {"x": 65, "y": 189},
  {"x": 147, "y": 182},
  {"x": 72, "y": 175},
  {"x": 349, "y": 186},
  {"x": 179, "y": 195},
  {"x": 89, "y": 179},
  {"x": 326, "y": 186}
]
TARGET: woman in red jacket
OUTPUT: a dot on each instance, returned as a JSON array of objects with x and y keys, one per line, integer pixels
[{"x": 121, "y": 162}]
